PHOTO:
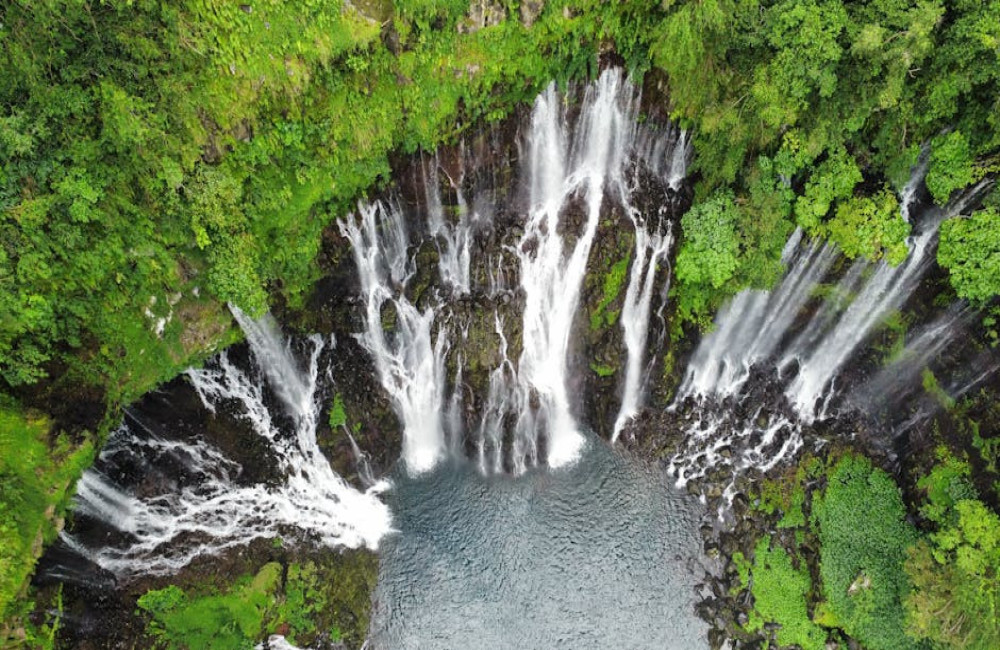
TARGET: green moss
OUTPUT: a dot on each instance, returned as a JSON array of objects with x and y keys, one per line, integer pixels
[
  {"x": 233, "y": 620},
  {"x": 37, "y": 471},
  {"x": 742, "y": 566},
  {"x": 329, "y": 594},
  {"x": 602, "y": 370},
  {"x": 933, "y": 388},
  {"x": 611, "y": 287},
  {"x": 793, "y": 514}
]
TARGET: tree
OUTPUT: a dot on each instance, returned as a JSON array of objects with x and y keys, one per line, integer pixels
[
  {"x": 951, "y": 165},
  {"x": 956, "y": 580},
  {"x": 970, "y": 250},
  {"x": 871, "y": 227}
]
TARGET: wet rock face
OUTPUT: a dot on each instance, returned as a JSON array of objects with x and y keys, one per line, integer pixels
[{"x": 480, "y": 182}]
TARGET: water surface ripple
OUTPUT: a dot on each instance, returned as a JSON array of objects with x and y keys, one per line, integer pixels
[{"x": 599, "y": 554}]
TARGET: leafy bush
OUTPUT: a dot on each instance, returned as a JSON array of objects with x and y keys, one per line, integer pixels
[
  {"x": 956, "y": 581},
  {"x": 709, "y": 253},
  {"x": 970, "y": 250},
  {"x": 864, "y": 536},
  {"x": 780, "y": 592},
  {"x": 951, "y": 165},
  {"x": 871, "y": 227},
  {"x": 832, "y": 180}
]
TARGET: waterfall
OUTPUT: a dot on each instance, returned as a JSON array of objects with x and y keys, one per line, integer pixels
[
  {"x": 750, "y": 328},
  {"x": 551, "y": 276},
  {"x": 574, "y": 169},
  {"x": 409, "y": 360},
  {"x": 452, "y": 241},
  {"x": 679, "y": 161},
  {"x": 886, "y": 290},
  {"x": 895, "y": 382},
  {"x": 732, "y": 422},
  {"x": 213, "y": 509},
  {"x": 917, "y": 175},
  {"x": 635, "y": 314},
  {"x": 667, "y": 155}
]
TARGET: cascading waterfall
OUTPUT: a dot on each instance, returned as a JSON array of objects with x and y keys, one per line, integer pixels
[
  {"x": 214, "y": 509},
  {"x": 551, "y": 279},
  {"x": 731, "y": 421},
  {"x": 923, "y": 347},
  {"x": 886, "y": 290},
  {"x": 572, "y": 168},
  {"x": 453, "y": 241},
  {"x": 667, "y": 155},
  {"x": 749, "y": 329},
  {"x": 410, "y": 363},
  {"x": 635, "y": 315}
]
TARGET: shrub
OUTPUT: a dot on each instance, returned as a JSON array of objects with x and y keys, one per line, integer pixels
[{"x": 864, "y": 535}]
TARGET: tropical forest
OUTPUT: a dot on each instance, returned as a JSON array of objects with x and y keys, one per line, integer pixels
[{"x": 499, "y": 324}]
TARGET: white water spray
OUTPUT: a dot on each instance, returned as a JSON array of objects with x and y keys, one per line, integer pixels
[
  {"x": 452, "y": 241},
  {"x": 218, "y": 512},
  {"x": 755, "y": 328},
  {"x": 551, "y": 276},
  {"x": 885, "y": 291},
  {"x": 409, "y": 360}
]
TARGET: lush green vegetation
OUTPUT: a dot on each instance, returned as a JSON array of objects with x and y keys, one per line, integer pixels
[
  {"x": 857, "y": 523},
  {"x": 614, "y": 282},
  {"x": 780, "y": 593},
  {"x": 159, "y": 160},
  {"x": 956, "y": 570},
  {"x": 853, "y": 566},
  {"x": 970, "y": 250},
  {"x": 827, "y": 93},
  {"x": 303, "y": 601},
  {"x": 863, "y": 535},
  {"x": 36, "y": 480},
  {"x": 338, "y": 415}
]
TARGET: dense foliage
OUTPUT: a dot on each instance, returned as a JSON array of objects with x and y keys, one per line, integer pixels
[
  {"x": 956, "y": 570},
  {"x": 863, "y": 537},
  {"x": 36, "y": 478},
  {"x": 881, "y": 581},
  {"x": 970, "y": 250},
  {"x": 835, "y": 92},
  {"x": 858, "y": 525},
  {"x": 153, "y": 153},
  {"x": 304, "y": 601},
  {"x": 780, "y": 592}
]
